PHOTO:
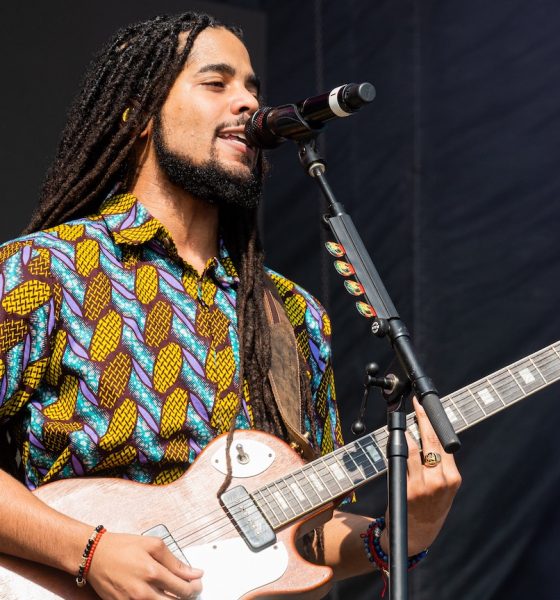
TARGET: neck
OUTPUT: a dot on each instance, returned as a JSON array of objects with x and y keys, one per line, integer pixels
[{"x": 192, "y": 223}]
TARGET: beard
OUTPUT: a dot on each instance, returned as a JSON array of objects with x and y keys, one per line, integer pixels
[{"x": 208, "y": 181}]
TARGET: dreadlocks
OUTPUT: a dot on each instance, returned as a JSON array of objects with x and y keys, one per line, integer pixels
[{"x": 135, "y": 71}]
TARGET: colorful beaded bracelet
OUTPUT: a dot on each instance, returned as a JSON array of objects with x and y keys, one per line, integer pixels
[
  {"x": 88, "y": 555},
  {"x": 375, "y": 553}
]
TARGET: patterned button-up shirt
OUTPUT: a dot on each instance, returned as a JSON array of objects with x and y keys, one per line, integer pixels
[{"x": 117, "y": 358}]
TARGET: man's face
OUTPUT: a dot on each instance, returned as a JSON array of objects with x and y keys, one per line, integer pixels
[{"x": 203, "y": 118}]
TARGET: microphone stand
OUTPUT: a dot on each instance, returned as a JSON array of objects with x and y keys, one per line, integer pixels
[{"x": 386, "y": 323}]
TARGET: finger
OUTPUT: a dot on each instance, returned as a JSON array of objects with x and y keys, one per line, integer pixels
[
  {"x": 430, "y": 440},
  {"x": 414, "y": 462},
  {"x": 175, "y": 576},
  {"x": 167, "y": 583},
  {"x": 431, "y": 443}
]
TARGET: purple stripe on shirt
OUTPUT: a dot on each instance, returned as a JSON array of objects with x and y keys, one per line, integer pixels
[
  {"x": 51, "y": 322},
  {"x": 129, "y": 220},
  {"x": 88, "y": 394},
  {"x": 172, "y": 281},
  {"x": 149, "y": 419},
  {"x": 76, "y": 348},
  {"x": 134, "y": 326},
  {"x": 122, "y": 290},
  {"x": 184, "y": 319},
  {"x": 26, "y": 254},
  {"x": 198, "y": 405},
  {"x": 195, "y": 446},
  {"x": 193, "y": 362},
  {"x": 62, "y": 257},
  {"x": 77, "y": 465},
  {"x": 315, "y": 352},
  {"x": 142, "y": 374},
  {"x": 111, "y": 258},
  {"x": 33, "y": 440},
  {"x": 92, "y": 434},
  {"x": 74, "y": 306}
]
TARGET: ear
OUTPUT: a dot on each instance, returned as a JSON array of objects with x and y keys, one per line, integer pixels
[{"x": 146, "y": 133}]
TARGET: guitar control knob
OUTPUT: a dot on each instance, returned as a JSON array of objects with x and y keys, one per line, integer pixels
[{"x": 242, "y": 456}]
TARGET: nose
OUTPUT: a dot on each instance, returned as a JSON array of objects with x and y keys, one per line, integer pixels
[{"x": 244, "y": 102}]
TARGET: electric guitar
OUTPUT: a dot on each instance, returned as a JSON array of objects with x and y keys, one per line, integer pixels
[{"x": 246, "y": 541}]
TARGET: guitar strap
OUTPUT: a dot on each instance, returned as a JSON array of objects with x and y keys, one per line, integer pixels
[{"x": 284, "y": 373}]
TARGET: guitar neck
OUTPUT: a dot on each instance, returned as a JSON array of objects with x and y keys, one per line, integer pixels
[{"x": 342, "y": 471}]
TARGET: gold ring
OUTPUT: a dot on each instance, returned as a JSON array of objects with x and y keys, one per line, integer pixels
[{"x": 431, "y": 459}]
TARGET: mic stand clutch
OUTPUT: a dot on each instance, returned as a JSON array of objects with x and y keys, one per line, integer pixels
[{"x": 386, "y": 322}]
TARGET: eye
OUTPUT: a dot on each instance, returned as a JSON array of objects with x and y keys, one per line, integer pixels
[{"x": 217, "y": 84}]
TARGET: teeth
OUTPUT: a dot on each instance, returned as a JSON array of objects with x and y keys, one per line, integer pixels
[{"x": 237, "y": 137}]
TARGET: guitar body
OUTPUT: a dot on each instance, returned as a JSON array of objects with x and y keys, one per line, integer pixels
[{"x": 194, "y": 517}]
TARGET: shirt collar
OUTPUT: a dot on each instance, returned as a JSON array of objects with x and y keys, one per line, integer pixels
[{"x": 130, "y": 223}]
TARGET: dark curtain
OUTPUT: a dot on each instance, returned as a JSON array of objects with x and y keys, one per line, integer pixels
[{"x": 452, "y": 180}]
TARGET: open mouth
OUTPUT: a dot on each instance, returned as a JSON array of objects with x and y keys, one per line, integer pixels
[{"x": 236, "y": 138}]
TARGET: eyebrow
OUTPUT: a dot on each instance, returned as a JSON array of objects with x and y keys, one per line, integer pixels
[{"x": 227, "y": 69}]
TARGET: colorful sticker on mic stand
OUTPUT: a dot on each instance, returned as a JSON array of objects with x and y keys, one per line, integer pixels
[
  {"x": 366, "y": 310},
  {"x": 353, "y": 287},
  {"x": 335, "y": 249},
  {"x": 345, "y": 269}
]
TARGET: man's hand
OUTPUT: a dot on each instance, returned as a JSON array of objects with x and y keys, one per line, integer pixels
[
  {"x": 132, "y": 567},
  {"x": 430, "y": 489}
]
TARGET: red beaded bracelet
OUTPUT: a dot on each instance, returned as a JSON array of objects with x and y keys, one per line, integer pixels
[{"x": 88, "y": 555}]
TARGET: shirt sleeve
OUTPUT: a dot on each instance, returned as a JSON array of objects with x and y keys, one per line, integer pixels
[{"x": 27, "y": 319}]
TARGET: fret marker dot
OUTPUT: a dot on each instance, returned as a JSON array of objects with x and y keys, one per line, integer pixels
[
  {"x": 527, "y": 376},
  {"x": 486, "y": 396},
  {"x": 451, "y": 414}
]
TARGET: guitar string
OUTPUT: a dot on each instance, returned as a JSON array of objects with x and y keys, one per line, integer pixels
[
  {"x": 466, "y": 395},
  {"x": 227, "y": 520},
  {"x": 323, "y": 468},
  {"x": 383, "y": 435},
  {"x": 501, "y": 376}
]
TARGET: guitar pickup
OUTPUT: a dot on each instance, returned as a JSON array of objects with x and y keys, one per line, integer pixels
[{"x": 248, "y": 519}]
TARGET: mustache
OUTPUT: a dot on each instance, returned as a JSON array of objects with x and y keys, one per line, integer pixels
[{"x": 239, "y": 122}]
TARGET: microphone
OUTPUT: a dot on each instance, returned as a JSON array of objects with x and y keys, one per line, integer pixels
[{"x": 270, "y": 126}]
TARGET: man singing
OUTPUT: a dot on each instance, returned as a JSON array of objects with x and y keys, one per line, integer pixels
[{"x": 134, "y": 324}]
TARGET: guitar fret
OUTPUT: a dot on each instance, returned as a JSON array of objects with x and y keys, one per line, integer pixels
[
  {"x": 340, "y": 472},
  {"x": 548, "y": 364},
  {"x": 473, "y": 411},
  {"x": 311, "y": 486},
  {"x": 304, "y": 486},
  {"x": 476, "y": 400},
  {"x": 288, "y": 496},
  {"x": 273, "y": 501},
  {"x": 298, "y": 494},
  {"x": 352, "y": 468},
  {"x": 538, "y": 370},
  {"x": 318, "y": 483},
  {"x": 513, "y": 378},
  {"x": 454, "y": 413},
  {"x": 529, "y": 377},
  {"x": 373, "y": 453},
  {"x": 495, "y": 389},
  {"x": 364, "y": 463},
  {"x": 267, "y": 510}
]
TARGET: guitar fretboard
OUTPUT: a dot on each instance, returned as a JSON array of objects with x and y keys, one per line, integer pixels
[{"x": 340, "y": 472}]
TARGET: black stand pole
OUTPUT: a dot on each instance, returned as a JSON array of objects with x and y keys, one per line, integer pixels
[
  {"x": 397, "y": 454},
  {"x": 386, "y": 323}
]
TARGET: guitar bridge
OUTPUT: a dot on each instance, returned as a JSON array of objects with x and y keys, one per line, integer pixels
[
  {"x": 161, "y": 531},
  {"x": 248, "y": 519}
]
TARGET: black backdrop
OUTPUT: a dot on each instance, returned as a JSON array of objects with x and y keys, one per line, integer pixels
[{"x": 451, "y": 177}]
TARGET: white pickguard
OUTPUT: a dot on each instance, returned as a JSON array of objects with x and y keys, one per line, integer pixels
[{"x": 231, "y": 569}]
